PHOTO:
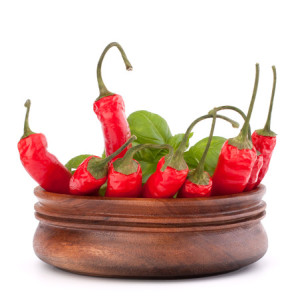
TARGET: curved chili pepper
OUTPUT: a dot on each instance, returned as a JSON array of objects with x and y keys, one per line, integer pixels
[
  {"x": 43, "y": 166},
  {"x": 166, "y": 183},
  {"x": 237, "y": 157},
  {"x": 125, "y": 174},
  {"x": 264, "y": 139},
  {"x": 110, "y": 110},
  {"x": 255, "y": 172},
  {"x": 199, "y": 182},
  {"x": 92, "y": 172}
]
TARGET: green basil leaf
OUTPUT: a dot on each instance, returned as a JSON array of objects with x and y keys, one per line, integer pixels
[
  {"x": 148, "y": 168},
  {"x": 153, "y": 129},
  {"x": 148, "y": 154},
  {"x": 149, "y": 127},
  {"x": 102, "y": 190},
  {"x": 154, "y": 155},
  {"x": 194, "y": 154},
  {"x": 74, "y": 162},
  {"x": 176, "y": 140},
  {"x": 148, "y": 159}
]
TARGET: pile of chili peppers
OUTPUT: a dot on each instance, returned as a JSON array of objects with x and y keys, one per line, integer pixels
[{"x": 242, "y": 164}]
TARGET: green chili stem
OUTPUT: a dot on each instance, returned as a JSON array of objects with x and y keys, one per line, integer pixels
[
  {"x": 235, "y": 109},
  {"x": 125, "y": 164},
  {"x": 119, "y": 150},
  {"x": 177, "y": 160},
  {"x": 27, "y": 130},
  {"x": 244, "y": 139},
  {"x": 103, "y": 90},
  {"x": 267, "y": 124},
  {"x": 244, "y": 130},
  {"x": 182, "y": 146},
  {"x": 200, "y": 167},
  {"x": 98, "y": 167}
]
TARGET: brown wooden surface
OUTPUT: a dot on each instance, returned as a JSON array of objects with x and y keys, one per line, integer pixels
[{"x": 150, "y": 238}]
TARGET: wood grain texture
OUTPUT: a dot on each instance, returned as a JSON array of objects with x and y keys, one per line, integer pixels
[{"x": 150, "y": 238}]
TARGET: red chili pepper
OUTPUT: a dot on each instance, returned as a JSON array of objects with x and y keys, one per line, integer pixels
[
  {"x": 43, "y": 166},
  {"x": 125, "y": 174},
  {"x": 124, "y": 185},
  {"x": 237, "y": 158},
  {"x": 92, "y": 173},
  {"x": 199, "y": 182},
  {"x": 110, "y": 110},
  {"x": 165, "y": 183},
  {"x": 191, "y": 189},
  {"x": 264, "y": 139},
  {"x": 264, "y": 144},
  {"x": 255, "y": 172}
]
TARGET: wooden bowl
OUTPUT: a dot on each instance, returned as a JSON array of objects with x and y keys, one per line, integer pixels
[{"x": 150, "y": 238}]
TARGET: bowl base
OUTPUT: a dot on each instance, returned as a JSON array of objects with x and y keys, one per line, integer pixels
[{"x": 150, "y": 255}]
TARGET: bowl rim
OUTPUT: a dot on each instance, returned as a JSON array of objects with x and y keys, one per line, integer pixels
[
  {"x": 177, "y": 214},
  {"x": 42, "y": 193}
]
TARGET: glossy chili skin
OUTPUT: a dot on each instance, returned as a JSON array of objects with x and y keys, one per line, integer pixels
[
  {"x": 265, "y": 145},
  {"x": 255, "y": 172},
  {"x": 233, "y": 169},
  {"x": 121, "y": 185},
  {"x": 43, "y": 166},
  {"x": 110, "y": 110},
  {"x": 164, "y": 184},
  {"x": 82, "y": 182},
  {"x": 191, "y": 190}
]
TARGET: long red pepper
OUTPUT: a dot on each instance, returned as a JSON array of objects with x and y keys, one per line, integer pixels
[
  {"x": 166, "y": 183},
  {"x": 92, "y": 172},
  {"x": 125, "y": 174},
  {"x": 110, "y": 110},
  {"x": 199, "y": 182},
  {"x": 237, "y": 157},
  {"x": 264, "y": 139},
  {"x": 43, "y": 166}
]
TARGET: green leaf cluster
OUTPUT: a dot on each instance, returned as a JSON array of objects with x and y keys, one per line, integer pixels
[{"x": 152, "y": 128}]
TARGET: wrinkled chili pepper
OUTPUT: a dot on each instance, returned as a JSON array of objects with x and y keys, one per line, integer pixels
[
  {"x": 43, "y": 166},
  {"x": 265, "y": 144},
  {"x": 166, "y": 183},
  {"x": 237, "y": 157},
  {"x": 264, "y": 139},
  {"x": 199, "y": 182},
  {"x": 92, "y": 172},
  {"x": 125, "y": 174},
  {"x": 255, "y": 172},
  {"x": 110, "y": 110}
]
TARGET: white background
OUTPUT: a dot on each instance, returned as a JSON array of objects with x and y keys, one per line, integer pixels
[{"x": 188, "y": 56}]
